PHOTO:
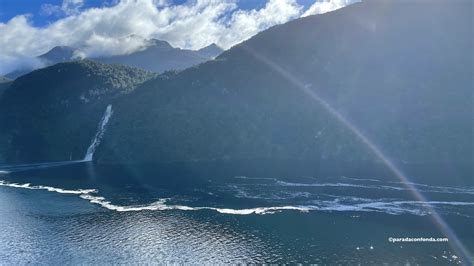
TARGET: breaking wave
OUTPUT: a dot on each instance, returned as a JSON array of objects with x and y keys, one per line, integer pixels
[
  {"x": 161, "y": 205},
  {"x": 425, "y": 187},
  {"x": 379, "y": 185},
  {"x": 339, "y": 204},
  {"x": 283, "y": 183},
  {"x": 50, "y": 189}
]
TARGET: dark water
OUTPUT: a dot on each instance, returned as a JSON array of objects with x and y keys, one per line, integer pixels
[{"x": 230, "y": 212}]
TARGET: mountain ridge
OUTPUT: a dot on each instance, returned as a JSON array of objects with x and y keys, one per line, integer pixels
[
  {"x": 396, "y": 72},
  {"x": 156, "y": 56},
  {"x": 353, "y": 60}
]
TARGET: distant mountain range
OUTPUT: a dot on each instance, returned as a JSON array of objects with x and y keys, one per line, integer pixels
[
  {"x": 397, "y": 71},
  {"x": 160, "y": 56},
  {"x": 157, "y": 56}
]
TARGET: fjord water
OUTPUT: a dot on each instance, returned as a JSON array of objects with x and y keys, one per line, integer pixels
[{"x": 229, "y": 212}]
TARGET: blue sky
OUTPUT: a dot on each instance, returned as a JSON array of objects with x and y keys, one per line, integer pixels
[{"x": 11, "y": 8}]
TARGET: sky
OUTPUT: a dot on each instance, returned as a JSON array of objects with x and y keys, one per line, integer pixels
[{"x": 29, "y": 28}]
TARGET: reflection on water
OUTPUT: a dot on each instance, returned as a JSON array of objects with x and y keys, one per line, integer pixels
[
  {"x": 47, "y": 215},
  {"x": 91, "y": 235}
]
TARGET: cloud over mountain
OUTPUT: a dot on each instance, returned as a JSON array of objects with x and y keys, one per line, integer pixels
[{"x": 122, "y": 27}]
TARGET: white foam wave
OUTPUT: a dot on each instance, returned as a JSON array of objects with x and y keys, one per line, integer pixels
[
  {"x": 283, "y": 183},
  {"x": 155, "y": 206},
  {"x": 431, "y": 188},
  {"x": 48, "y": 188},
  {"x": 458, "y": 203},
  {"x": 162, "y": 206},
  {"x": 421, "y": 187},
  {"x": 262, "y": 210},
  {"x": 248, "y": 193},
  {"x": 290, "y": 184},
  {"x": 361, "y": 179},
  {"x": 254, "y": 178},
  {"x": 389, "y": 207},
  {"x": 339, "y": 204}
]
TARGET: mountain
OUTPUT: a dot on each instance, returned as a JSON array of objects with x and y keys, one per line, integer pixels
[
  {"x": 396, "y": 70},
  {"x": 157, "y": 56},
  {"x": 18, "y": 73},
  {"x": 160, "y": 56},
  {"x": 399, "y": 72},
  {"x": 52, "y": 113},
  {"x": 4, "y": 79},
  {"x": 210, "y": 51},
  {"x": 4, "y": 84},
  {"x": 58, "y": 54}
]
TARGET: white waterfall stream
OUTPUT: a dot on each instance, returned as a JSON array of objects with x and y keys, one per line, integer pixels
[{"x": 100, "y": 133}]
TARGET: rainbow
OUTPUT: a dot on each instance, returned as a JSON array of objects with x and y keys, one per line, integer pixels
[{"x": 438, "y": 221}]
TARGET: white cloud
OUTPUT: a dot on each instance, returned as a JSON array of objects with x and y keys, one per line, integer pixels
[
  {"x": 122, "y": 27},
  {"x": 320, "y": 7},
  {"x": 245, "y": 24},
  {"x": 68, "y": 7}
]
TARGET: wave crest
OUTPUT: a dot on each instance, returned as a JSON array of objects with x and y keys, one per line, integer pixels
[{"x": 394, "y": 207}]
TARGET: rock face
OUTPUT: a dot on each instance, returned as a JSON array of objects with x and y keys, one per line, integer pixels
[
  {"x": 52, "y": 113},
  {"x": 398, "y": 71}
]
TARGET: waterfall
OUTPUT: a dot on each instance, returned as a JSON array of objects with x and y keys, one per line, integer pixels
[{"x": 100, "y": 133}]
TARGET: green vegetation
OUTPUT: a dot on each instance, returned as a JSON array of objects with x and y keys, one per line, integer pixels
[
  {"x": 52, "y": 113},
  {"x": 397, "y": 72}
]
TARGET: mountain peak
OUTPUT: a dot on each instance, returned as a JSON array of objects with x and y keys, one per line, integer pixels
[
  {"x": 158, "y": 43},
  {"x": 210, "y": 51},
  {"x": 212, "y": 46},
  {"x": 59, "y": 54}
]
